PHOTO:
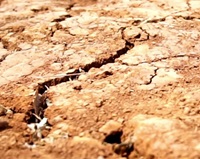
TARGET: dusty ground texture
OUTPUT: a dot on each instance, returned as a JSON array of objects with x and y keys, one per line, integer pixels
[{"x": 115, "y": 79}]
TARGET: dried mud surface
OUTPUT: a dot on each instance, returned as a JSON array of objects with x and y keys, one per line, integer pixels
[{"x": 115, "y": 79}]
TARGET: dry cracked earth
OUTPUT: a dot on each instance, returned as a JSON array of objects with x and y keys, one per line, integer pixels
[{"x": 100, "y": 79}]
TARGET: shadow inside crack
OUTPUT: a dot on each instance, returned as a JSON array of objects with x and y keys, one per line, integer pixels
[
  {"x": 4, "y": 125},
  {"x": 114, "y": 137},
  {"x": 121, "y": 148}
]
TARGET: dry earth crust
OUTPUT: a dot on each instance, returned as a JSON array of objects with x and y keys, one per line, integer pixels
[{"x": 115, "y": 79}]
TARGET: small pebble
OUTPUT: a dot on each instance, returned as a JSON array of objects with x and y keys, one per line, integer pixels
[
  {"x": 9, "y": 112},
  {"x": 186, "y": 110}
]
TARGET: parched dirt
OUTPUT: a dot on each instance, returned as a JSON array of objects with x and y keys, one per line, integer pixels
[{"x": 114, "y": 79}]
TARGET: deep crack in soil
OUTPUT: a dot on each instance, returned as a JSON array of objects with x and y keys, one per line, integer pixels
[{"x": 39, "y": 103}]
